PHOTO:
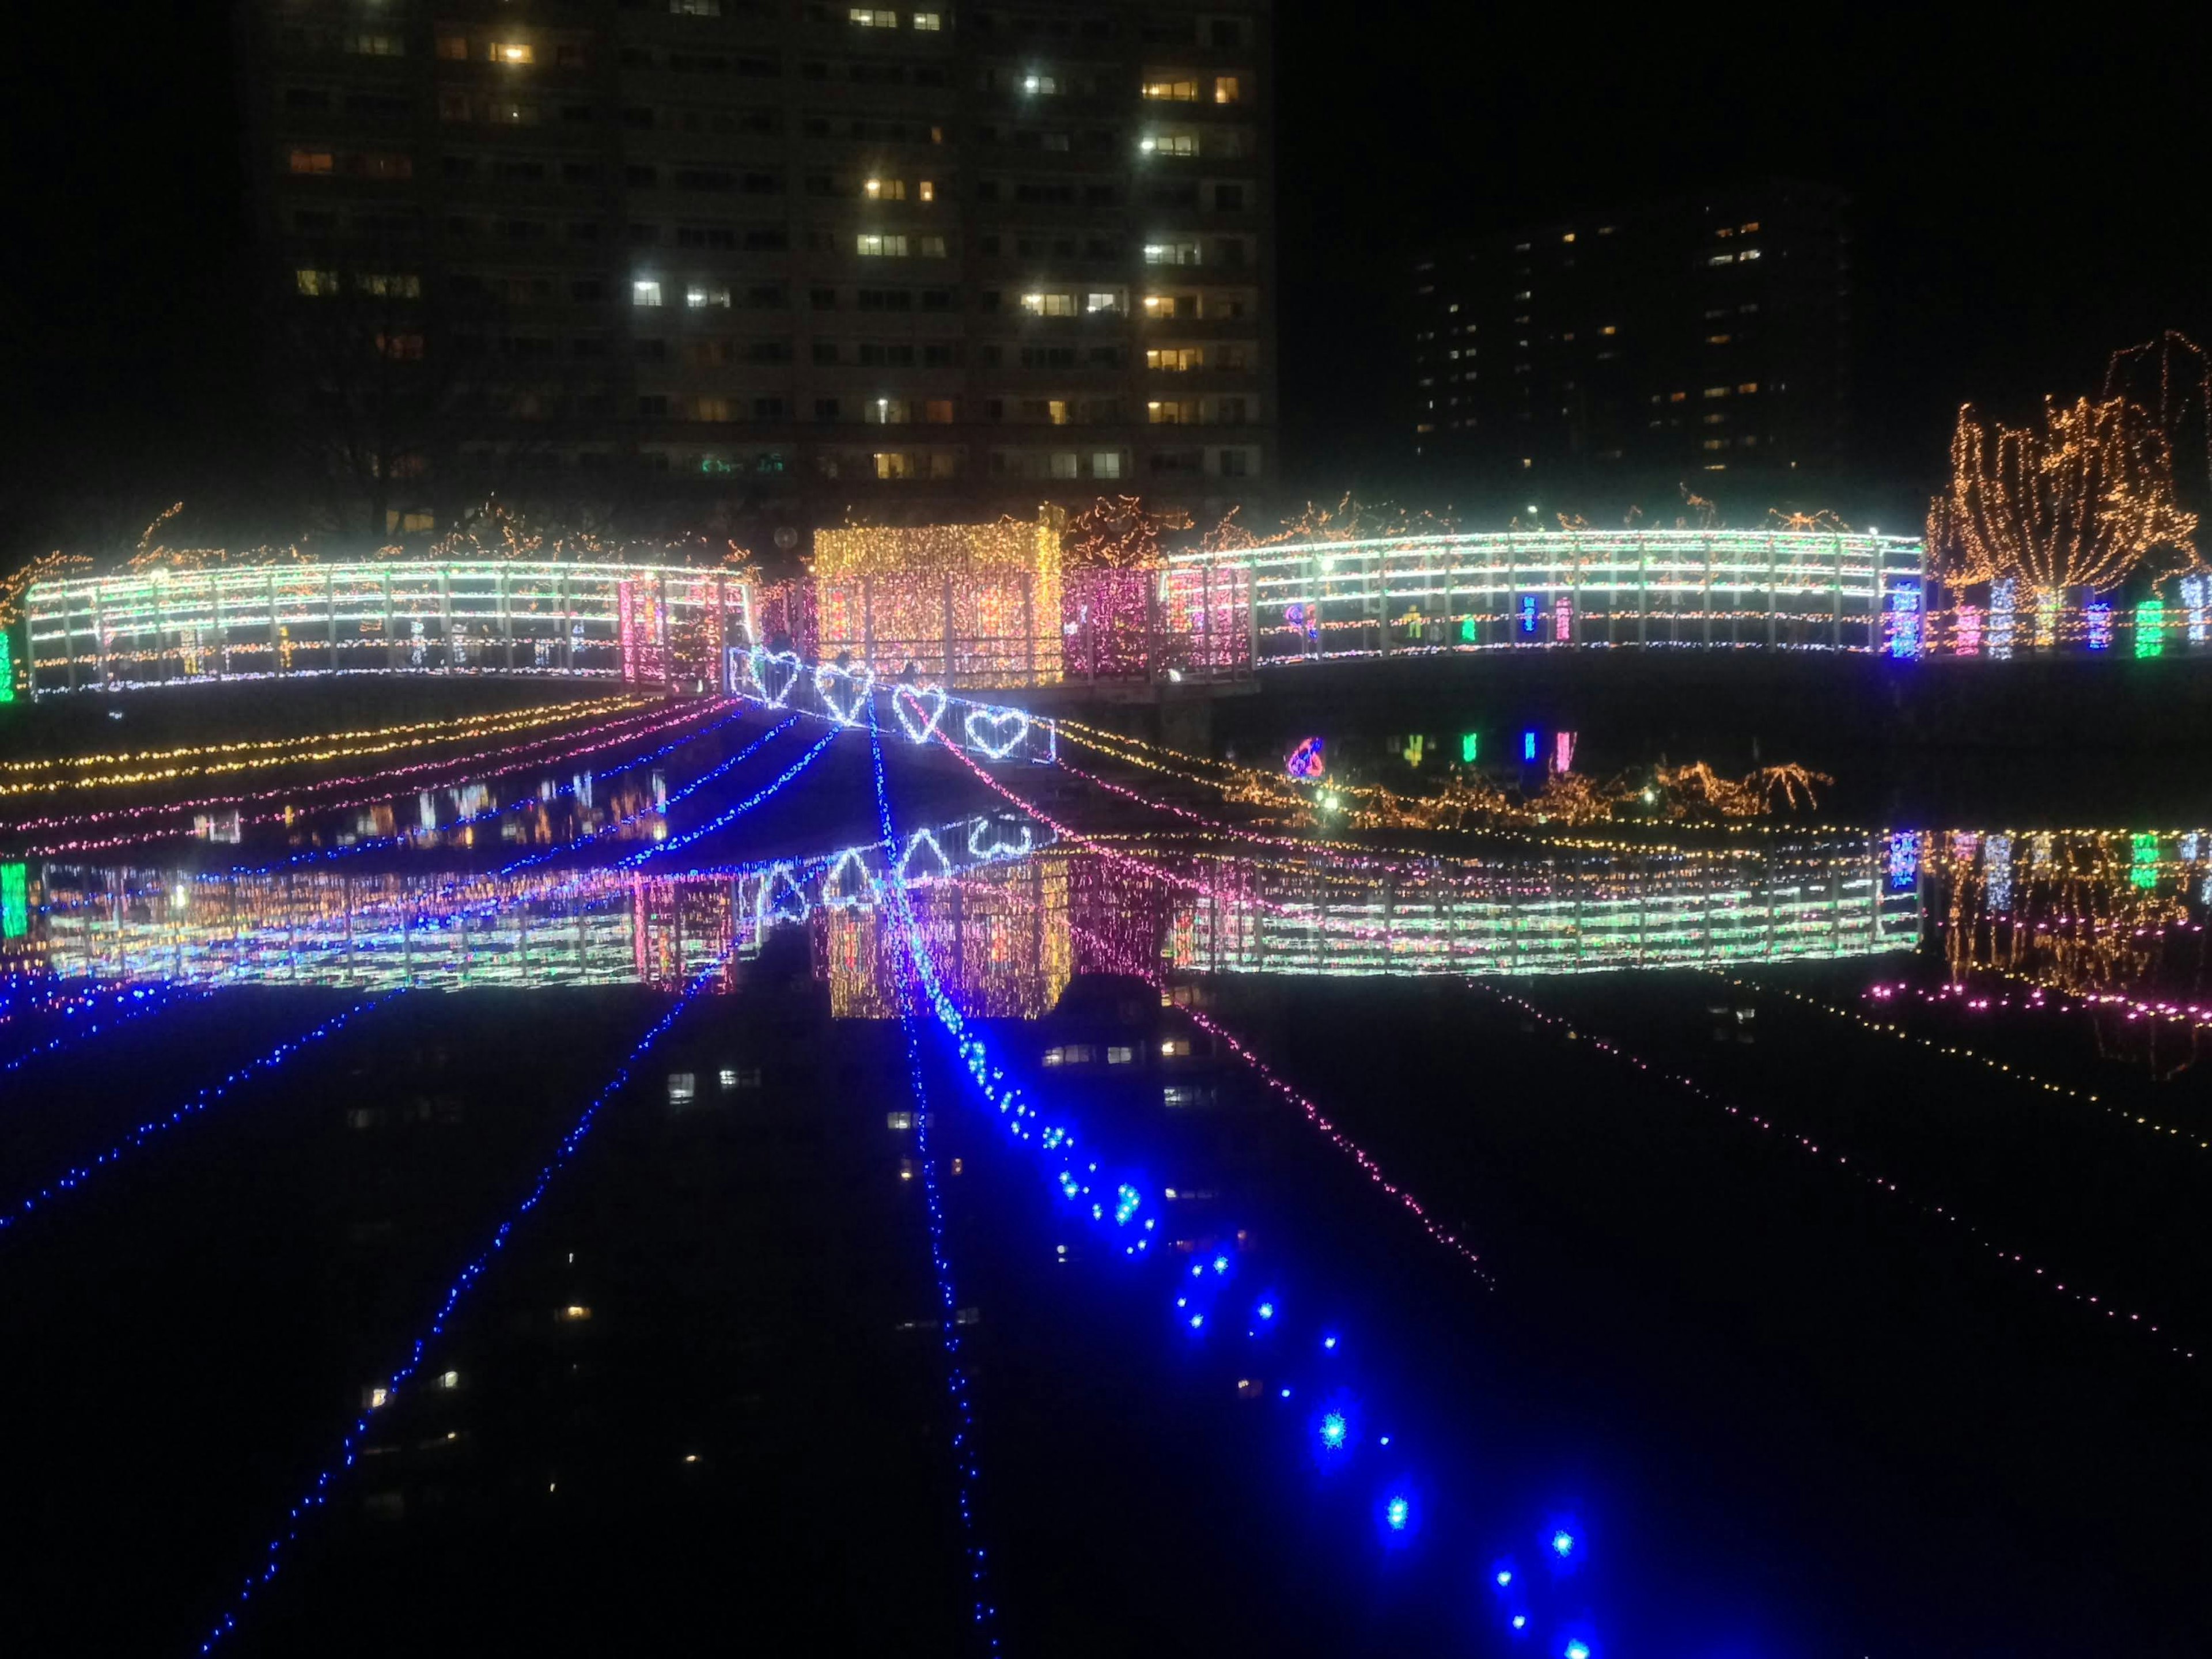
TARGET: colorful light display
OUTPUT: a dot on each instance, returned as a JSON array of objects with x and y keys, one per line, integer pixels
[
  {"x": 318, "y": 1493},
  {"x": 1308, "y": 762},
  {"x": 160, "y": 626},
  {"x": 964, "y": 605},
  {"x": 1784, "y": 588}
]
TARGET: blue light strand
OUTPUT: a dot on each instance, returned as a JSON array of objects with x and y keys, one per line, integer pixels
[
  {"x": 135, "y": 1004},
  {"x": 405, "y": 836},
  {"x": 76, "y": 1176},
  {"x": 956, "y": 1375},
  {"x": 733, "y": 813},
  {"x": 317, "y": 1495},
  {"x": 684, "y": 793}
]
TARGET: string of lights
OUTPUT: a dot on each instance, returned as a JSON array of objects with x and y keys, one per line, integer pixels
[
  {"x": 317, "y": 1495},
  {"x": 408, "y": 837},
  {"x": 330, "y": 742},
  {"x": 15, "y": 1211},
  {"x": 675, "y": 798},
  {"x": 730, "y": 814},
  {"x": 352, "y": 747},
  {"x": 2021, "y": 1074},
  {"x": 456, "y": 769},
  {"x": 956, "y": 1387},
  {"x": 131, "y": 1005},
  {"x": 1207, "y": 1304},
  {"x": 1829, "y": 1158}
]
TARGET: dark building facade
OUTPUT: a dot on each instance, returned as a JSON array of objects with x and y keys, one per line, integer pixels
[
  {"x": 768, "y": 260},
  {"x": 1703, "y": 336}
]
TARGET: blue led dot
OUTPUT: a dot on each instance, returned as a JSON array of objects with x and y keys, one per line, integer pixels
[
  {"x": 1504, "y": 1578},
  {"x": 1266, "y": 1311},
  {"x": 1563, "y": 1544},
  {"x": 1333, "y": 1429},
  {"x": 1384, "y": 1441},
  {"x": 1221, "y": 1264},
  {"x": 1197, "y": 1320},
  {"x": 1397, "y": 1512},
  {"x": 1328, "y": 1342},
  {"x": 1577, "y": 1650},
  {"x": 1520, "y": 1621}
]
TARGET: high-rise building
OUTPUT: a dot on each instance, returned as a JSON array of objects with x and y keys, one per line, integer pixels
[
  {"x": 766, "y": 263},
  {"x": 1705, "y": 335}
]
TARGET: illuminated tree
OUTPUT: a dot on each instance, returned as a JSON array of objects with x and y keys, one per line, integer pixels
[
  {"x": 1118, "y": 534},
  {"x": 2084, "y": 500},
  {"x": 2172, "y": 377}
]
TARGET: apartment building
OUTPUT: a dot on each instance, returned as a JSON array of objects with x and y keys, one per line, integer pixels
[
  {"x": 1700, "y": 336},
  {"x": 766, "y": 263}
]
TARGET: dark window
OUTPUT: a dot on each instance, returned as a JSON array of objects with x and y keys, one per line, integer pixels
[
  {"x": 767, "y": 409},
  {"x": 825, "y": 409},
  {"x": 825, "y": 352},
  {"x": 937, "y": 299},
  {"x": 767, "y": 297},
  {"x": 642, "y": 176},
  {"x": 766, "y": 237},
  {"x": 644, "y": 234},
  {"x": 768, "y": 351},
  {"x": 576, "y": 115},
  {"x": 578, "y": 172},
  {"x": 459, "y": 167},
  {"x": 637, "y": 115},
  {"x": 653, "y": 404},
  {"x": 1229, "y": 198},
  {"x": 651, "y": 351},
  {"x": 823, "y": 299}
]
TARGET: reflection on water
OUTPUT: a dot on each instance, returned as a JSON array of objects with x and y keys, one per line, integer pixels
[{"x": 1012, "y": 917}]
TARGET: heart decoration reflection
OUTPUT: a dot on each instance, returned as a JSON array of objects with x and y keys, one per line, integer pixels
[
  {"x": 936, "y": 864},
  {"x": 858, "y": 687},
  {"x": 777, "y": 891},
  {"x": 997, "y": 732},
  {"x": 919, "y": 710},
  {"x": 987, "y": 839},
  {"x": 775, "y": 673}
]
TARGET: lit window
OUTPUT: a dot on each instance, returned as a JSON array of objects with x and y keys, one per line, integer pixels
[
  {"x": 695, "y": 8},
  {"x": 511, "y": 52},
  {"x": 575, "y": 1314},
  {"x": 928, "y": 21},
  {"x": 885, "y": 190},
  {"x": 377, "y": 45},
  {"x": 1049, "y": 304},
  {"x": 1173, "y": 92},
  {"x": 892, "y": 465},
  {"x": 898, "y": 1119},
  {"x": 376, "y": 1398},
  {"x": 454, "y": 46},
  {"x": 1120, "y": 1055},
  {"x": 1716, "y": 339},
  {"x": 683, "y": 1088},
  {"x": 1080, "y": 1053},
  {"x": 645, "y": 294},
  {"x": 1721, "y": 259},
  {"x": 1180, "y": 359},
  {"x": 868, "y": 18},
  {"x": 1749, "y": 386},
  {"x": 1056, "y": 1056},
  {"x": 937, "y": 411},
  {"x": 882, "y": 247},
  {"x": 1178, "y": 1097},
  {"x": 1609, "y": 329},
  {"x": 1675, "y": 397},
  {"x": 1065, "y": 463},
  {"x": 391, "y": 285},
  {"x": 1226, "y": 90},
  {"x": 1095, "y": 303},
  {"x": 1750, "y": 228},
  {"x": 311, "y": 161},
  {"x": 906, "y": 1168},
  {"x": 1171, "y": 253},
  {"x": 1044, "y": 86},
  {"x": 926, "y": 191},
  {"x": 1171, "y": 144},
  {"x": 700, "y": 298},
  {"x": 929, "y": 247},
  {"x": 317, "y": 282},
  {"x": 1717, "y": 391},
  {"x": 449, "y": 1379},
  {"x": 1175, "y": 1047},
  {"x": 1748, "y": 253},
  {"x": 729, "y": 1078},
  {"x": 1717, "y": 443},
  {"x": 1106, "y": 464}
]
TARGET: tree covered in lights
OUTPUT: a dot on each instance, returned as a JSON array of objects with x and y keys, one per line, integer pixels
[
  {"x": 1118, "y": 532},
  {"x": 2084, "y": 498}
]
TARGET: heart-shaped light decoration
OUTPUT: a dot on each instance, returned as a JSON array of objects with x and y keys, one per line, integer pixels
[
  {"x": 775, "y": 673},
  {"x": 919, "y": 710},
  {"x": 855, "y": 689},
  {"x": 936, "y": 864},
  {"x": 847, "y": 883},
  {"x": 778, "y": 888},
  {"x": 987, "y": 839},
  {"x": 997, "y": 732}
]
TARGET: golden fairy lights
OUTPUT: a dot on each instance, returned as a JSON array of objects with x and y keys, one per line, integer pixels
[
  {"x": 2083, "y": 499},
  {"x": 299, "y": 751}
]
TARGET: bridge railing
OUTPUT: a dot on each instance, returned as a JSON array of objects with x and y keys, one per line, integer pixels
[{"x": 652, "y": 624}]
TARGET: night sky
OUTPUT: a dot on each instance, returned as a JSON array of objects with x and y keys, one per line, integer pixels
[{"x": 2028, "y": 198}]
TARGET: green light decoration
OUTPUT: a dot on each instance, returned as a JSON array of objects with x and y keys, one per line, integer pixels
[
  {"x": 1470, "y": 747},
  {"x": 14, "y": 901},
  {"x": 2150, "y": 627},
  {"x": 7, "y": 668},
  {"x": 2142, "y": 865}
]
